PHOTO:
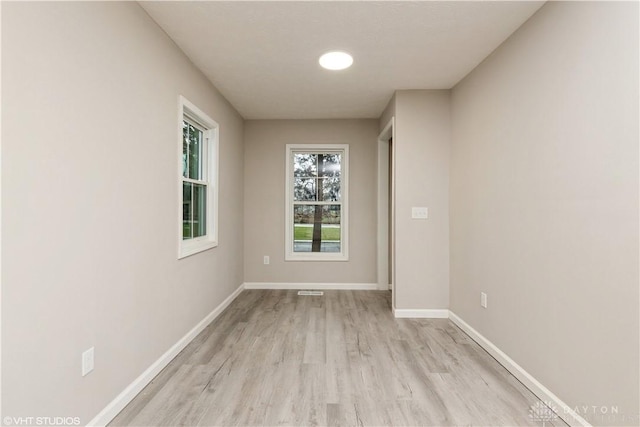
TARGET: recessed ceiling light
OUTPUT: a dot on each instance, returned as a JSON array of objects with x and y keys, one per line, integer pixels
[{"x": 336, "y": 60}]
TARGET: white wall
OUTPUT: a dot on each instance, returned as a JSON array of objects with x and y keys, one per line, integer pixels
[
  {"x": 421, "y": 147},
  {"x": 265, "y": 144},
  {"x": 544, "y": 203},
  {"x": 89, "y": 193},
  {"x": 388, "y": 113}
]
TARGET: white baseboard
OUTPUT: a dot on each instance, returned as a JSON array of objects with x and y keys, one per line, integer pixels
[
  {"x": 318, "y": 286},
  {"x": 563, "y": 410},
  {"x": 403, "y": 313},
  {"x": 384, "y": 287},
  {"x": 112, "y": 409}
]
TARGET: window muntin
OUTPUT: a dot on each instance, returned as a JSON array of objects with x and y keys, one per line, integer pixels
[
  {"x": 198, "y": 180},
  {"x": 316, "y": 202}
]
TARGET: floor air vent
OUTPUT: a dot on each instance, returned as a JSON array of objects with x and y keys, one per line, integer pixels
[{"x": 310, "y": 293}]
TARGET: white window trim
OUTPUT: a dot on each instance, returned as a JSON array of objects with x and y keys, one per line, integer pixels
[
  {"x": 290, "y": 255},
  {"x": 211, "y": 135}
]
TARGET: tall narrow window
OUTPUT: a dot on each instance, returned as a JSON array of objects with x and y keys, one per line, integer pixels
[
  {"x": 317, "y": 209},
  {"x": 198, "y": 180}
]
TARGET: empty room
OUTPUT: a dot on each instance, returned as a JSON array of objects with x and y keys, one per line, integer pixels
[{"x": 297, "y": 213}]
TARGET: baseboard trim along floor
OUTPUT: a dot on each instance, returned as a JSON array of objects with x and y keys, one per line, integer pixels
[
  {"x": 112, "y": 409},
  {"x": 563, "y": 410},
  {"x": 316, "y": 286},
  {"x": 402, "y": 313}
]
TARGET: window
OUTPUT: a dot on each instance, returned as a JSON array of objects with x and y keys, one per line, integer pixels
[
  {"x": 198, "y": 180},
  {"x": 317, "y": 202}
]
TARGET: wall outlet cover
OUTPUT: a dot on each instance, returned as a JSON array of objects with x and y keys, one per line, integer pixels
[
  {"x": 483, "y": 299},
  {"x": 87, "y": 361}
]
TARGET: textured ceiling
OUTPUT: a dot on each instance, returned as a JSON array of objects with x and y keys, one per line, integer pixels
[{"x": 263, "y": 56}]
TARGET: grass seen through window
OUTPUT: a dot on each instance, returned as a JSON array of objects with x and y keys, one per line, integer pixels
[{"x": 302, "y": 232}]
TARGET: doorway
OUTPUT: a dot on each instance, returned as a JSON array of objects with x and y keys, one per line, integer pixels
[{"x": 386, "y": 209}]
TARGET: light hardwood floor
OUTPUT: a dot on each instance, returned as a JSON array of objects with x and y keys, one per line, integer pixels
[{"x": 276, "y": 358}]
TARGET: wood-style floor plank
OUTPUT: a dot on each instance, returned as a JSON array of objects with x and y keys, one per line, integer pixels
[{"x": 274, "y": 358}]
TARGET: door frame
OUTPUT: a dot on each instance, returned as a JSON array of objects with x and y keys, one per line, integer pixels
[{"x": 386, "y": 195}]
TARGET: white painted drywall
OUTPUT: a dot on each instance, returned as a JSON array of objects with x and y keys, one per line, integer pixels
[
  {"x": 421, "y": 147},
  {"x": 388, "y": 113},
  {"x": 89, "y": 174},
  {"x": 264, "y": 168},
  {"x": 544, "y": 203}
]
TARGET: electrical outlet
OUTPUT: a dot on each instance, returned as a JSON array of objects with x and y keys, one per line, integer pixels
[
  {"x": 483, "y": 299},
  {"x": 87, "y": 361},
  {"x": 266, "y": 260}
]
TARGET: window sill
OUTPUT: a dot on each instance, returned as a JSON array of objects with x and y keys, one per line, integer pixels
[
  {"x": 319, "y": 258},
  {"x": 192, "y": 247}
]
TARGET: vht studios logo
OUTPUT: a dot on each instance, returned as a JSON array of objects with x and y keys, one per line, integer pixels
[
  {"x": 543, "y": 412},
  {"x": 41, "y": 421}
]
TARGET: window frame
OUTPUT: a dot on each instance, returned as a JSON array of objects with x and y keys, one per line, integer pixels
[
  {"x": 343, "y": 255},
  {"x": 210, "y": 164}
]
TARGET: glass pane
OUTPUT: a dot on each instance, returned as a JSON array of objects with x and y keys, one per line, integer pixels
[
  {"x": 191, "y": 151},
  {"x": 185, "y": 148},
  {"x": 330, "y": 174},
  {"x": 186, "y": 211},
  {"x": 316, "y": 228},
  {"x": 199, "y": 210},
  {"x": 305, "y": 165},
  {"x": 304, "y": 189}
]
